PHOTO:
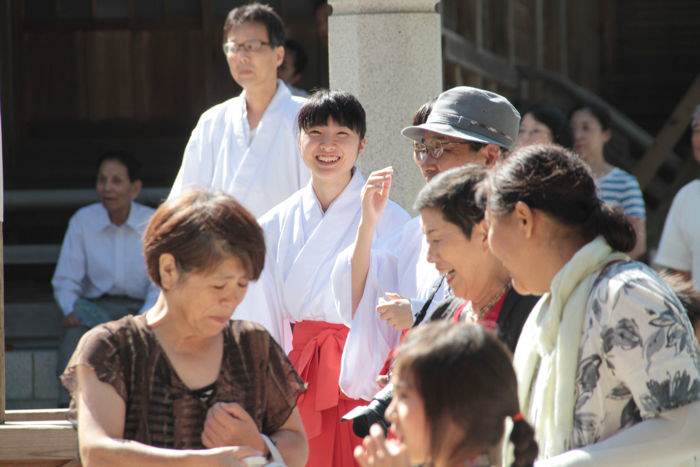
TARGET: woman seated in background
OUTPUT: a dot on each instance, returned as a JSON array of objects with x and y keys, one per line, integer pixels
[
  {"x": 454, "y": 387},
  {"x": 543, "y": 124},
  {"x": 590, "y": 127},
  {"x": 454, "y": 227},
  {"x": 158, "y": 388},
  {"x": 607, "y": 364}
]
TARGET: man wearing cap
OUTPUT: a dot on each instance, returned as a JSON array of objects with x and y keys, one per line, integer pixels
[{"x": 466, "y": 125}]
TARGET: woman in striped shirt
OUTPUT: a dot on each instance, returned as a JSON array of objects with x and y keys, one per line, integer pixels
[{"x": 590, "y": 127}]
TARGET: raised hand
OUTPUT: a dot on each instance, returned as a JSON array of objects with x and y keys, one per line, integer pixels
[{"x": 375, "y": 195}]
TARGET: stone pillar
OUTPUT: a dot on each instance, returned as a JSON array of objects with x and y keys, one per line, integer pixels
[{"x": 388, "y": 54}]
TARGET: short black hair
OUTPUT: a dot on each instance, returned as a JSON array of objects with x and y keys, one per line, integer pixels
[
  {"x": 600, "y": 113},
  {"x": 299, "y": 57},
  {"x": 454, "y": 193},
  {"x": 133, "y": 166},
  {"x": 257, "y": 13},
  {"x": 341, "y": 106},
  {"x": 555, "y": 120}
]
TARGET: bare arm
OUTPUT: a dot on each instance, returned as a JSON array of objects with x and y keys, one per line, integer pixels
[
  {"x": 291, "y": 441},
  {"x": 375, "y": 196},
  {"x": 101, "y": 414},
  {"x": 640, "y": 228}
]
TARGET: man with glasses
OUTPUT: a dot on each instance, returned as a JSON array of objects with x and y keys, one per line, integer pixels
[
  {"x": 381, "y": 291},
  {"x": 248, "y": 146}
]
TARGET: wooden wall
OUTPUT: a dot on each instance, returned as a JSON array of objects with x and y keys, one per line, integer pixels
[{"x": 84, "y": 76}]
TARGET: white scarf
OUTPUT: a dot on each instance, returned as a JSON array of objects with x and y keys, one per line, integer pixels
[{"x": 548, "y": 348}]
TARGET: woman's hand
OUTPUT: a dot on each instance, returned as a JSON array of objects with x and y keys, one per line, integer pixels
[
  {"x": 377, "y": 451},
  {"x": 228, "y": 424},
  {"x": 375, "y": 195},
  {"x": 396, "y": 310},
  {"x": 382, "y": 380}
]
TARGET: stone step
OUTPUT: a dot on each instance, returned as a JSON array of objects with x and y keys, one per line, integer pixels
[{"x": 32, "y": 320}]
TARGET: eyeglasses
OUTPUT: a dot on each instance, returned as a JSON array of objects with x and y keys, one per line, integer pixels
[
  {"x": 252, "y": 45},
  {"x": 436, "y": 149}
]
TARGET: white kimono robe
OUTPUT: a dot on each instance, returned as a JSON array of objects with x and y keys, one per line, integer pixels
[
  {"x": 261, "y": 173},
  {"x": 302, "y": 245},
  {"x": 398, "y": 264}
]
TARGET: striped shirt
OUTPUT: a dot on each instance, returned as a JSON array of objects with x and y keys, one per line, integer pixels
[{"x": 619, "y": 188}]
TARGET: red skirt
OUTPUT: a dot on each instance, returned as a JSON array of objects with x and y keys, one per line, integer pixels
[{"x": 317, "y": 347}]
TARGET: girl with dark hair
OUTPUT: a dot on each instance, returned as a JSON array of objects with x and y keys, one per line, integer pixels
[
  {"x": 304, "y": 234},
  {"x": 454, "y": 387},
  {"x": 544, "y": 124},
  {"x": 607, "y": 364},
  {"x": 590, "y": 127}
]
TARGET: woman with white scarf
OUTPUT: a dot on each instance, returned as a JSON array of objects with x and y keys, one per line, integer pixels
[{"x": 608, "y": 367}]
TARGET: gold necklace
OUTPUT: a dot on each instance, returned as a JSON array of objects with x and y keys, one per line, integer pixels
[{"x": 479, "y": 315}]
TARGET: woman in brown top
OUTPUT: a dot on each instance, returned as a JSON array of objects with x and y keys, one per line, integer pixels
[{"x": 184, "y": 383}]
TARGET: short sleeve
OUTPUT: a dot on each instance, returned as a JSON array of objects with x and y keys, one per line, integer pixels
[
  {"x": 648, "y": 342},
  {"x": 633, "y": 202},
  {"x": 620, "y": 188},
  {"x": 282, "y": 385},
  {"x": 99, "y": 350},
  {"x": 674, "y": 251}
]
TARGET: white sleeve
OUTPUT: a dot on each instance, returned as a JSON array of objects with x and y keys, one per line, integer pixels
[
  {"x": 671, "y": 439},
  {"x": 370, "y": 339},
  {"x": 70, "y": 268},
  {"x": 197, "y": 169},
  {"x": 674, "y": 250},
  {"x": 367, "y": 347},
  {"x": 262, "y": 303},
  {"x": 382, "y": 275}
]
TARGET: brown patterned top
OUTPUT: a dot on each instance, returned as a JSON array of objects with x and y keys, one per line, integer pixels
[{"x": 160, "y": 410}]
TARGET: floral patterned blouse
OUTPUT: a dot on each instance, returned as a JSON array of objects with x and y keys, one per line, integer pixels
[{"x": 638, "y": 354}]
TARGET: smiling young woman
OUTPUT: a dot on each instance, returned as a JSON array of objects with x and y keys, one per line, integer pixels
[{"x": 304, "y": 235}]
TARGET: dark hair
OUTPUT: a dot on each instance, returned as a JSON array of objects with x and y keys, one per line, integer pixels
[
  {"x": 200, "y": 229},
  {"x": 257, "y": 13},
  {"x": 133, "y": 166},
  {"x": 299, "y": 57},
  {"x": 600, "y": 113},
  {"x": 453, "y": 192},
  {"x": 319, "y": 3},
  {"x": 555, "y": 180},
  {"x": 464, "y": 374},
  {"x": 686, "y": 293},
  {"x": 421, "y": 115},
  {"x": 555, "y": 120},
  {"x": 341, "y": 106}
]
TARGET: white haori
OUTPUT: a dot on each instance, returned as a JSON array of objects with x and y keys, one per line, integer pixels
[{"x": 302, "y": 245}]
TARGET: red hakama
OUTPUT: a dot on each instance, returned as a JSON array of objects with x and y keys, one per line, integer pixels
[{"x": 317, "y": 347}]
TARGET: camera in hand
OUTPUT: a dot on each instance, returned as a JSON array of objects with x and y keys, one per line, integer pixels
[{"x": 365, "y": 416}]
